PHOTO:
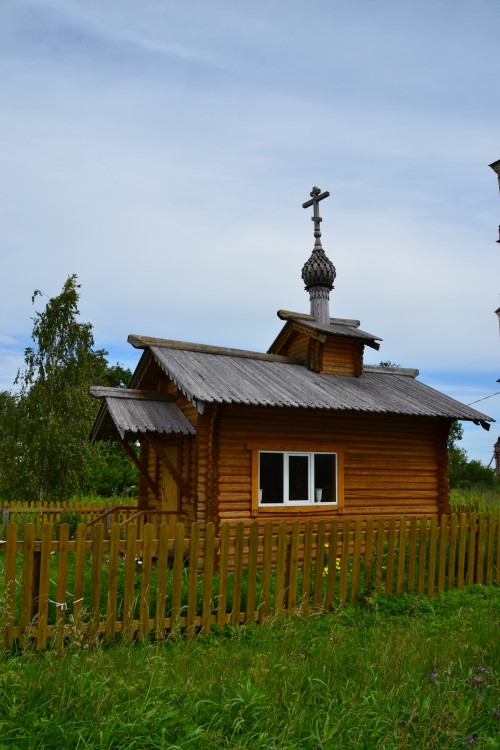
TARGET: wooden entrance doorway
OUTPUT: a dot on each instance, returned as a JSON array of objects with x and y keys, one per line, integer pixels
[{"x": 170, "y": 492}]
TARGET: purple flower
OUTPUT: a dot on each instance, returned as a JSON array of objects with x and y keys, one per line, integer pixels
[
  {"x": 478, "y": 682},
  {"x": 472, "y": 739},
  {"x": 433, "y": 675},
  {"x": 481, "y": 670}
]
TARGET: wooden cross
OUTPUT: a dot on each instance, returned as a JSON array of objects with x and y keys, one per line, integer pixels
[{"x": 316, "y": 197}]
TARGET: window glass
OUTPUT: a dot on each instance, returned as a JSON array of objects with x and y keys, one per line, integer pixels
[
  {"x": 271, "y": 477},
  {"x": 292, "y": 477},
  {"x": 298, "y": 477},
  {"x": 325, "y": 470}
]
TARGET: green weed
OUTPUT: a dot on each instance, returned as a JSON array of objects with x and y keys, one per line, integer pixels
[{"x": 401, "y": 673}]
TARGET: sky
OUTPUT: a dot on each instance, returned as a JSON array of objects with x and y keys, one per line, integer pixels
[{"x": 162, "y": 152}]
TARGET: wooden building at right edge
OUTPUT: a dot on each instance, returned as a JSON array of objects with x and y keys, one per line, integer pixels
[{"x": 305, "y": 430}]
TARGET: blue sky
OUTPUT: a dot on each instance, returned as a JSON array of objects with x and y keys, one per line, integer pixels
[{"x": 162, "y": 151}]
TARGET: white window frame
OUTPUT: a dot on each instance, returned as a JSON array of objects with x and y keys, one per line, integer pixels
[{"x": 311, "y": 500}]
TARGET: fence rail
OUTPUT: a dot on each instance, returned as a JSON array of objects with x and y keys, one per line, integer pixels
[
  {"x": 53, "y": 590},
  {"x": 40, "y": 513}
]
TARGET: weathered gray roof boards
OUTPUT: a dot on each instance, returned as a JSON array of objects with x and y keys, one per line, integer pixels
[
  {"x": 337, "y": 327},
  {"x": 217, "y": 377},
  {"x": 133, "y": 412}
]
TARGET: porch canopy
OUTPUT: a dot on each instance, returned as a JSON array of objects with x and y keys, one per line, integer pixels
[{"x": 131, "y": 412}]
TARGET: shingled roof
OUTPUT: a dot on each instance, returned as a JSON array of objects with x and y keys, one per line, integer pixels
[{"x": 208, "y": 374}]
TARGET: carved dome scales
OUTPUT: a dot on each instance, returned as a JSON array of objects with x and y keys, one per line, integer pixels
[{"x": 318, "y": 270}]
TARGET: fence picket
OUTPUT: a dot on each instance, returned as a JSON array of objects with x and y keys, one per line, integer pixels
[
  {"x": 306, "y": 568},
  {"x": 293, "y": 564},
  {"x": 332, "y": 564},
  {"x": 368, "y": 573},
  {"x": 412, "y": 555},
  {"x": 431, "y": 567},
  {"x": 44, "y": 587},
  {"x": 237, "y": 573},
  {"x": 401, "y": 555},
  {"x": 379, "y": 555},
  {"x": 490, "y": 549},
  {"x": 422, "y": 555},
  {"x": 356, "y": 556},
  {"x": 344, "y": 560},
  {"x": 27, "y": 601},
  {"x": 480, "y": 549},
  {"x": 208, "y": 569},
  {"x": 462, "y": 546},
  {"x": 265, "y": 602},
  {"x": 452, "y": 551},
  {"x": 253, "y": 550},
  {"x": 79, "y": 579},
  {"x": 161, "y": 583},
  {"x": 10, "y": 584},
  {"x": 145, "y": 571},
  {"x": 471, "y": 549},
  {"x": 193, "y": 579},
  {"x": 129, "y": 585},
  {"x": 62, "y": 584},
  {"x": 279, "y": 589},
  {"x": 443, "y": 538},
  {"x": 223, "y": 571},
  {"x": 95, "y": 596},
  {"x": 389, "y": 569},
  {"x": 113, "y": 560},
  {"x": 319, "y": 565}
]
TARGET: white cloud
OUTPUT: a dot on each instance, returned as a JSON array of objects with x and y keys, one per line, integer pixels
[{"x": 162, "y": 152}]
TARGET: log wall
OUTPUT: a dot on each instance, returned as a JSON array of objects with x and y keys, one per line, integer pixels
[
  {"x": 392, "y": 465},
  {"x": 342, "y": 357}
]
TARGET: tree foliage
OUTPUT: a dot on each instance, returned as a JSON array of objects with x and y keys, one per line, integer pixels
[
  {"x": 45, "y": 452},
  {"x": 464, "y": 473}
]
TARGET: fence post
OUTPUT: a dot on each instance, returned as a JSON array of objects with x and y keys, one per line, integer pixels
[
  {"x": 35, "y": 589},
  {"x": 5, "y": 521}
]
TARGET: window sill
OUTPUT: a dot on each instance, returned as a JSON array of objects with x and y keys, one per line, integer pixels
[{"x": 287, "y": 510}]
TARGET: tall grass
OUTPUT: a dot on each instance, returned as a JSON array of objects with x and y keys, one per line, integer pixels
[
  {"x": 480, "y": 499},
  {"x": 400, "y": 673}
]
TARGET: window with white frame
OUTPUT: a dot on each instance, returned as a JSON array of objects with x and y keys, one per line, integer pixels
[{"x": 297, "y": 478}]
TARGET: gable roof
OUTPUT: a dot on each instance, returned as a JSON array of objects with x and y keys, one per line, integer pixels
[
  {"x": 342, "y": 327},
  {"x": 207, "y": 374}
]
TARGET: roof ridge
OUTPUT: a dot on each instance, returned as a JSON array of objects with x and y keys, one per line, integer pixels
[
  {"x": 407, "y": 371},
  {"x": 144, "y": 342},
  {"x": 134, "y": 393},
  {"x": 289, "y": 314}
]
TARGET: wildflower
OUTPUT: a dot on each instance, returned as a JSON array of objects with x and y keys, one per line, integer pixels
[
  {"x": 481, "y": 670},
  {"x": 433, "y": 675},
  {"x": 477, "y": 682},
  {"x": 472, "y": 739}
]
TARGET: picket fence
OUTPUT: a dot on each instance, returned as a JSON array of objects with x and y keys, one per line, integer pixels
[{"x": 54, "y": 591}]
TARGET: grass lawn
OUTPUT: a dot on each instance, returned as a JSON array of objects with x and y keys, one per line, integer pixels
[{"x": 405, "y": 672}]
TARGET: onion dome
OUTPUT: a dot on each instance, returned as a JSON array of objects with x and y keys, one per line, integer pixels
[{"x": 318, "y": 270}]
